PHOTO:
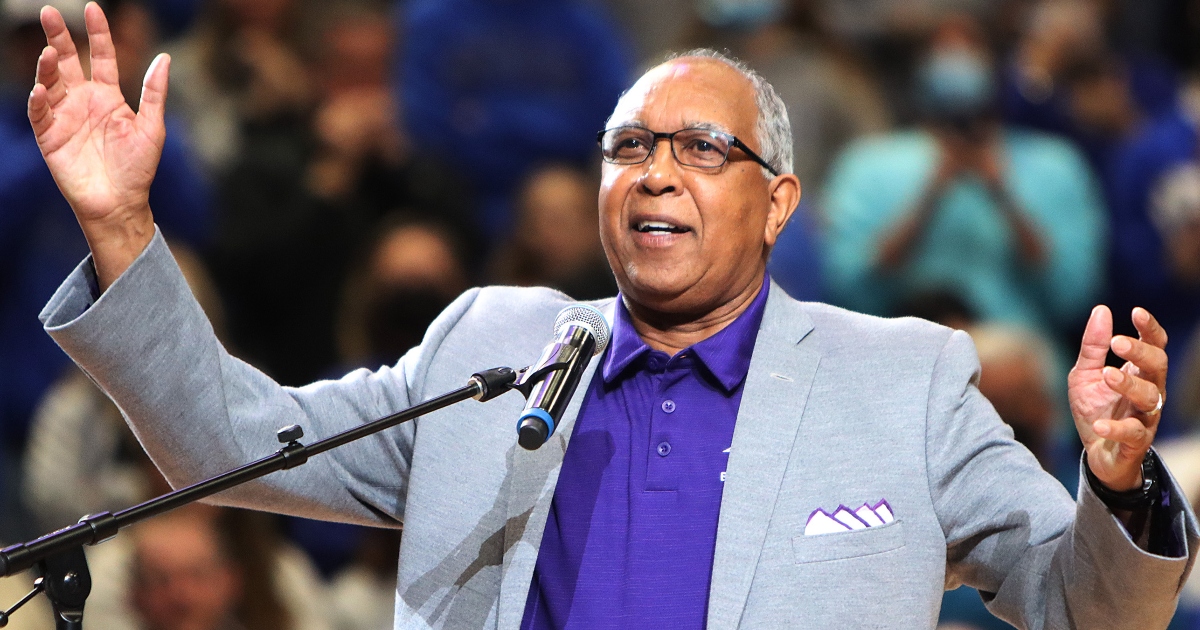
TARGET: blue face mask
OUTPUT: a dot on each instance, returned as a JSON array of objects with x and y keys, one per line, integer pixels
[
  {"x": 739, "y": 14},
  {"x": 956, "y": 84}
]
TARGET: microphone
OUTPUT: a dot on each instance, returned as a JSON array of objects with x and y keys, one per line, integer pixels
[{"x": 580, "y": 332}]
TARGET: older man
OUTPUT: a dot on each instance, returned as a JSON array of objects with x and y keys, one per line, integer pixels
[{"x": 738, "y": 459}]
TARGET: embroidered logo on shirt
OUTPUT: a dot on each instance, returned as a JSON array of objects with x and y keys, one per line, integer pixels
[
  {"x": 845, "y": 519},
  {"x": 726, "y": 451}
]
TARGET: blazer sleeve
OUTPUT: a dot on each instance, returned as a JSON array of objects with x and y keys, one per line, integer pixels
[
  {"x": 199, "y": 411},
  {"x": 1039, "y": 559}
]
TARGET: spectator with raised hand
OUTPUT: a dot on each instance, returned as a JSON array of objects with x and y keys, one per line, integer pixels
[
  {"x": 240, "y": 72},
  {"x": 1009, "y": 220},
  {"x": 1056, "y": 35},
  {"x": 310, "y": 179},
  {"x": 364, "y": 161}
]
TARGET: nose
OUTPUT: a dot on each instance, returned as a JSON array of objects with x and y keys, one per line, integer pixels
[{"x": 662, "y": 170}]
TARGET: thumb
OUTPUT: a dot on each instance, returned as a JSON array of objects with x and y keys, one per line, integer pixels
[
  {"x": 1096, "y": 336},
  {"x": 154, "y": 94}
]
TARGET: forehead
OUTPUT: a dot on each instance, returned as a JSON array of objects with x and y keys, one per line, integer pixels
[{"x": 688, "y": 91}]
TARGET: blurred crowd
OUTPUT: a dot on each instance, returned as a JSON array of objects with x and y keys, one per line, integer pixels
[{"x": 337, "y": 171}]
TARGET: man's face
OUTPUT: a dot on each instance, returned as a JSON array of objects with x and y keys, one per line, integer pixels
[
  {"x": 181, "y": 580},
  {"x": 721, "y": 221}
]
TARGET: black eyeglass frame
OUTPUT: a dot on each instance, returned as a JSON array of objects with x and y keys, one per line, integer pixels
[{"x": 670, "y": 137}]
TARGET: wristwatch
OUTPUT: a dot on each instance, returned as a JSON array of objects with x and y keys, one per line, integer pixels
[{"x": 1137, "y": 499}]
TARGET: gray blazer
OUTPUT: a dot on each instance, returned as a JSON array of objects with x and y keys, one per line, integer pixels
[{"x": 838, "y": 409}]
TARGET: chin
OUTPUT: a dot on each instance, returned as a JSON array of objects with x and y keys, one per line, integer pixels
[{"x": 664, "y": 293}]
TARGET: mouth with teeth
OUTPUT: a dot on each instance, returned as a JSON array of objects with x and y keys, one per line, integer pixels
[{"x": 659, "y": 227}]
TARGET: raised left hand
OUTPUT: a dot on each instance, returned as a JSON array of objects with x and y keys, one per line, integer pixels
[
  {"x": 1117, "y": 411},
  {"x": 102, "y": 155}
]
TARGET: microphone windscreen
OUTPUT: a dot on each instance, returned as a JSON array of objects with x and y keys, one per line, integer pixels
[{"x": 588, "y": 317}]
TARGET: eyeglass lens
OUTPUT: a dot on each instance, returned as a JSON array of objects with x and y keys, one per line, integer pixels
[{"x": 693, "y": 147}]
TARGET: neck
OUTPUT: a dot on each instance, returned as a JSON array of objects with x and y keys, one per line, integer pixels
[{"x": 673, "y": 332}]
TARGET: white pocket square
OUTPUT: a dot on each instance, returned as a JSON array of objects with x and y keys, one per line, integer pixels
[{"x": 845, "y": 519}]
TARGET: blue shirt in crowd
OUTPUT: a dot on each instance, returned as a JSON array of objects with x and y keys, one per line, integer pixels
[
  {"x": 497, "y": 87},
  {"x": 968, "y": 248},
  {"x": 633, "y": 525},
  {"x": 40, "y": 243},
  {"x": 795, "y": 264},
  {"x": 1138, "y": 271}
]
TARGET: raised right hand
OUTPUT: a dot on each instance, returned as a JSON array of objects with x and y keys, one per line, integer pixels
[
  {"x": 103, "y": 156},
  {"x": 953, "y": 159}
]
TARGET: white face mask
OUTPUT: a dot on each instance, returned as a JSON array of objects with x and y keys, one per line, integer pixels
[{"x": 956, "y": 83}]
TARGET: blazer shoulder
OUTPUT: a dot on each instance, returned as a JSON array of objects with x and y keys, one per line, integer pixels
[
  {"x": 524, "y": 302},
  {"x": 841, "y": 329},
  {"x": 486, "y": 326},
  {"x": 891, "y": 355},
  {"x": 498, "y": 313}
]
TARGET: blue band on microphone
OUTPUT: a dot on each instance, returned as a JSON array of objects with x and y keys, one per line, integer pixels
[{"x": 542, "y": 415}]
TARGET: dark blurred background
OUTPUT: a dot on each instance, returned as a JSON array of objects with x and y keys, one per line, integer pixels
[{"x": 337, "y": 171}]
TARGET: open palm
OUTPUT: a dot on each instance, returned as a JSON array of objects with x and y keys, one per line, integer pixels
[{"x": 102, "y": 155}]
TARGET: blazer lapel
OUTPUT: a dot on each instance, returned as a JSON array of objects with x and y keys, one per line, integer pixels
[
  {"x": 776, "y": 391},
  {"x": 533, "y": 476}
]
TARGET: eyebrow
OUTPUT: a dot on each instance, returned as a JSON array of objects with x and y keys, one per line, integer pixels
[{"x": 707, "y": 126}]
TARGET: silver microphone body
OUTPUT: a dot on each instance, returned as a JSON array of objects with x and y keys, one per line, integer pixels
[{"x": 580, "y": 333}]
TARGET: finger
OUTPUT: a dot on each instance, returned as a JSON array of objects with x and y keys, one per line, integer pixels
[
  {"x": 59, "y": 37},
  {"x": 1096, "y": 336},
  {"x": 1150, "y": 360},
  {"x": 1148, "y": 328},
  {"x": 103, "y": 54},
  {"x": 1141, "y": 393},
  {"x": 40, "y": 116},
  {"x": 48, "y": 76},
  {"x": 154, "y": 92},
  {"x": 1129, "y": 432}
]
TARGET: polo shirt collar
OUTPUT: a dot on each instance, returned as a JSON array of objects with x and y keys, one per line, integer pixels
[{"x": 726, "y": 355}]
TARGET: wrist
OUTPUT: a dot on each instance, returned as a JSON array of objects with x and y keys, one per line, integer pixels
[
  {"x": 1146, "y": 493},
  {"x": 117, "y": 240}
]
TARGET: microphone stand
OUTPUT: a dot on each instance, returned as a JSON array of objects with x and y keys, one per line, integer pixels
[{"x": 59, "y": 556}]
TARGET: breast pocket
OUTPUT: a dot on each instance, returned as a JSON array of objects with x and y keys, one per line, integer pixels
[{"x": 852, "y": 544}]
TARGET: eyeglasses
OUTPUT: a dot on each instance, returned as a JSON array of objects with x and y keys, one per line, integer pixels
[{"x": 701, "y": 148}]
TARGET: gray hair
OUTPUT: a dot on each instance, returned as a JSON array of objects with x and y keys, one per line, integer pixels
[{"x": 773, "y": 130}]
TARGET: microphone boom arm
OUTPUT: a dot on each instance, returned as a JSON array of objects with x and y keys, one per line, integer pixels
[{"x": 50, "y": 550}]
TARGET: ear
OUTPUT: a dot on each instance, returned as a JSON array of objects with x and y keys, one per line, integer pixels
[{"x": 785, "y": 196}]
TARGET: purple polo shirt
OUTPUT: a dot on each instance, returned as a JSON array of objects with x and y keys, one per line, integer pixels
[{"x": 633, "y": 524}]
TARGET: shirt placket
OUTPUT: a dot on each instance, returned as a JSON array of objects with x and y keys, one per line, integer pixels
[{"x": 664, "y": 450}]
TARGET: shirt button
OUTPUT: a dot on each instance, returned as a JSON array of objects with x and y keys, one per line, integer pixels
[
  {"x": 664, "y": 448},
  {"x": 653, "y": 364},
  {"x": 668, "y": 406}
]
